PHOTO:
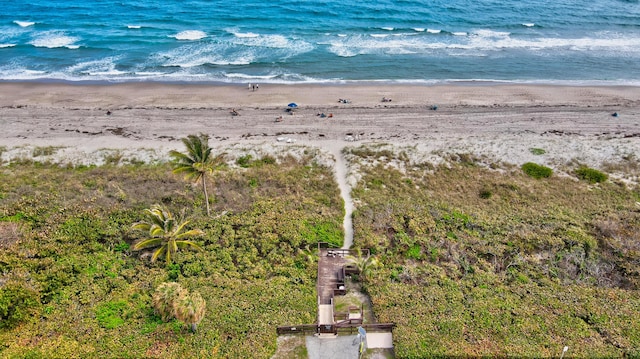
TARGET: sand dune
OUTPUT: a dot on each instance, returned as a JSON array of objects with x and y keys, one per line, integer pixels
[{"x": 501, "y": 122}]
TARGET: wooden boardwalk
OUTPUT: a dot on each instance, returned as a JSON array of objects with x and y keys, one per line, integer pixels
[
  {"x": 333, "y": 267},
  {"x": 331, "y": 273}
]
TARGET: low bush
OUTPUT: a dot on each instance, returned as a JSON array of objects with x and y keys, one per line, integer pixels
[
  {"x": 591, "y": 175},
  {"x": 17, "y": 303},
  {"x": 536, "y": 171}
]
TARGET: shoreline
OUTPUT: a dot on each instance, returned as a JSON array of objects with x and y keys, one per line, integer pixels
[
  {"x": 332, "y": 82},
  {"x": 500, "y": 122}
]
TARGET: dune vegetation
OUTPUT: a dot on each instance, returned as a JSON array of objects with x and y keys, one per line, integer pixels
[
  {"x": 71, "y": 284},
  {"x": 484, "y": 260},
  {"x": 473, "y": 260}
]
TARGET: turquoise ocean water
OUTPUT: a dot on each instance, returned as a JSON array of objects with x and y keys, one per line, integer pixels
[{"x": 325, "y": 41}]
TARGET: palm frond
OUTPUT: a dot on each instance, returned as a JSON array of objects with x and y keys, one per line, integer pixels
[
  {"x": 158, "y": 252},
  {"x": 147, "y": 243},
  {"x": 185, "y": 244},
  {"x": 190, "y": 233},
  {"x": 142, "y": 226}
]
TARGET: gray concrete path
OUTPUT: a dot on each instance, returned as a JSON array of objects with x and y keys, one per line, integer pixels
[{"x": 338, "y": 347}]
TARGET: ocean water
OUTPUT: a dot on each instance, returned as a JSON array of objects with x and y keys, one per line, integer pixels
[{"x": 321, "y": 41}]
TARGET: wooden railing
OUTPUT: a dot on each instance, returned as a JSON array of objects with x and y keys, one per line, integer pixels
[
  {"x": 345, "y": 328},
  {"x": 298, "y": 329}
]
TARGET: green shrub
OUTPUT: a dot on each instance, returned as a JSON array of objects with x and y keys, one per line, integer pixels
[
  {"x": 109, "y": 315},
  {"x": 485, "y": 193},
  {"x": 244, "y": 161},
  {"x": 414, "y": 252},
  {"x": 17, "y": 303},
  {"x": 536, "y": 171},
  {"x": 537, "y": 151},
  {"x": 591, "y": 175}
]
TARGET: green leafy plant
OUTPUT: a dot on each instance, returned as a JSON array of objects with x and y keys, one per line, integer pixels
[
  {"x": 165, "y": 232},
  {"x": 414, "y": 252},
  {"x": 364, "y": 265},
  {"x": 110, "y": 314},
  {"x": 537, "y": 151},
  {"x": 244, "y": 161},
  {"x": 591, "y": 175},
  {"x": 18, "y": 302},
  {"x": 536, "y": 171}
]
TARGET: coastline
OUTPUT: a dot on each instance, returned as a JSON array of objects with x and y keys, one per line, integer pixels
[{"x": 498, "y": 121}]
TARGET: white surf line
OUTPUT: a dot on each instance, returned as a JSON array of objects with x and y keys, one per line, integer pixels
[{"x": 341, "y": 171}]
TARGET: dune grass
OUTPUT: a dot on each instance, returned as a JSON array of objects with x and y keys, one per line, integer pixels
[{"x": 533, "y": 267}]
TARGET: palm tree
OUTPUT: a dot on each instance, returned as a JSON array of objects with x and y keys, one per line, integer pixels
[
  {"x": 197, "y": 163},
  {"x": 166, "y": 233},
  {"x": 365, "y": 265},
  {"x": 164, "y": 299},
  {"x": 190, "y": 309}
]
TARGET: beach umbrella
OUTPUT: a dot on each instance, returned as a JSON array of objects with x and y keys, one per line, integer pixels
[{"x": 293, "y": 105}]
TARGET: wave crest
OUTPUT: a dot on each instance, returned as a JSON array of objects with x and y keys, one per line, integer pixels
[
  {"x": 24, "y": 23},
  {"x": 55, "y": 39},
  {"x": 190, "y": 35}
]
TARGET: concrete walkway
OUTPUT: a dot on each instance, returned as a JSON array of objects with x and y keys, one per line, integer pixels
[
  {"x": 338, "y": 347},
  {"x": 379, "y": 340},
  {"x": 325, "y": 314}
]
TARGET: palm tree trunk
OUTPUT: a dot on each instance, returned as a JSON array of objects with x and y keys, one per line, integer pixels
[{"x": 206, "y": 195}]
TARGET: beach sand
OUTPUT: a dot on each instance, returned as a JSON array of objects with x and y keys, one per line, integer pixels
[{"x": 498, "y": 122}]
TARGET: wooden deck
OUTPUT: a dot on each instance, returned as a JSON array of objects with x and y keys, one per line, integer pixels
[
  {"x": 333, "y": 267},
  {"x": 331, "y": 274}
]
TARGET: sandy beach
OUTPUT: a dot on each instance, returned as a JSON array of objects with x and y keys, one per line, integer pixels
[{"x": 500, "y": 122}]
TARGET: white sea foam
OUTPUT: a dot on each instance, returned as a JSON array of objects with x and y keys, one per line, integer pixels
[
  {"x": 361, "y": 45},
  {"x": 379, "y": 35},
  {"x": 190, "y": 35},
  {"x": 191, "y": 56},
  {"x": 491, "y": 33},
  {"x": 134, "y": 26},
  {"x": 54, "y": 39},
  {"x": 291, "y": 45},
  {"x": 528, "y": 24},
  {"x": 459, "y": 33},
  {"x": 434, "y": 31},
  {"x": 618, "y": 44},
  {"x": 251, "y": 77},
  {"x": 16, "y": 72},
  {"x": 245, "y": 34},
  {"x": 24, "y": 23},
  {"x": 342, "y": 35},
  {"x": 6, "y": 45},
  {"x": 419, "y": 29},
  {"x": 387, "y": 28},
  {"x": 103, "y": 68}
]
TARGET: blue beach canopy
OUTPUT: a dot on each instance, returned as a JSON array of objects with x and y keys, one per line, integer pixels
[{"x": 293, "y": 104}]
